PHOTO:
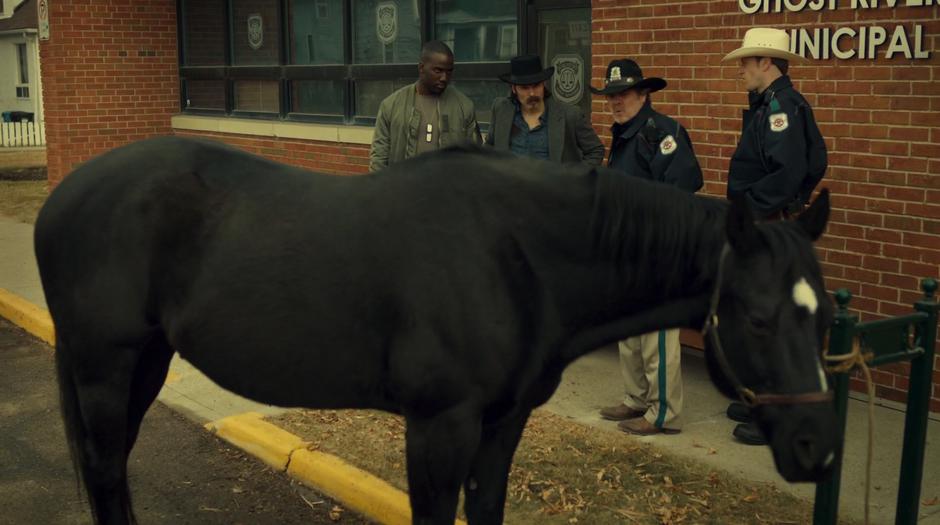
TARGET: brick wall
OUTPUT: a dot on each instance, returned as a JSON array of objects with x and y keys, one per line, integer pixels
[
  {"x": 109, "y": 76},
  {"x": 880, "y": 118},
  {"x": 324, "y": 157}
]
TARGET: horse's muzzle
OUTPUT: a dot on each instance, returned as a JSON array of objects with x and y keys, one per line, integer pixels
[{"x": 804, "y": 443}]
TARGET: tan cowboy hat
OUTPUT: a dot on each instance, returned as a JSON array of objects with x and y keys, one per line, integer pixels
[{"x": 765, "y": 42}]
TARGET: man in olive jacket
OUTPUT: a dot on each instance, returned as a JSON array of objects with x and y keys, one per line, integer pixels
[
  {"x": 423, "y": 116},
  {"x": 531, "y": 123}
]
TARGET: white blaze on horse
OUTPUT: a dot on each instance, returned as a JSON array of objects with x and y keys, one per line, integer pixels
[{"x": 453, "y": 289}]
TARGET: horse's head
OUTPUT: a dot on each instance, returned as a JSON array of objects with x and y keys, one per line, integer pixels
[{"x": 769, "y": 316}]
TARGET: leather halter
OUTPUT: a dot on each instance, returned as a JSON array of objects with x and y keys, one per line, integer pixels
[{"x": 748, "y": 396}]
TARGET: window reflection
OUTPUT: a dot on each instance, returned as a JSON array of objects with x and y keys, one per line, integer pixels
[
  {"x": 318, "y": 97},
  {"x": 371, "y": 93},
  {"x": 257, "y": 95},
  {"x": 205, "y": 94},
  {"x": 316, "y": 31},
  {"x": 255, "y": 32},
  {"x": 478, "y": 30},
  {"x": 204, "y": 41},
  {"x": 386, "y": 31},
  {"x": 483, "y": 93}
]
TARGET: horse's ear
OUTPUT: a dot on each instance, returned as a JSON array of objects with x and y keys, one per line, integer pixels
[
  {"x": 740, "y": 228},
  {"x": 814, "y": 219}
]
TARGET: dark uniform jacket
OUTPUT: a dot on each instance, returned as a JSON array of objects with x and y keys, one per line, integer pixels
[
  {"x": 570, "y": 135},
  {"x": 781, "y": 156},
  {"x": 655, "y": 147}
]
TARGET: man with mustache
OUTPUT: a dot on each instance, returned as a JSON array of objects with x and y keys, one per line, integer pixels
[
  {"x": 651, "y": 146},
  {"x": 424, "y": 116},
  {"x": 533, "y": 124}
]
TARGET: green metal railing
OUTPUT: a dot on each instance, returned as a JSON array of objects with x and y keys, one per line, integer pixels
[{"x": 906, "y": 338}]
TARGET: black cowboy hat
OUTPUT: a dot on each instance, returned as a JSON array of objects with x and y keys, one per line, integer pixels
[
  {"x": 626, "y": 74},
  {"x": 527, "y": 69}
]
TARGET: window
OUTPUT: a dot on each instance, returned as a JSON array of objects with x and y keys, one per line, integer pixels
[
  {"x": 22, "y": 72},
  {"x": 318, "y": 97},
  {"x": 204, "y": 33},
  {"x": 478, "y": 30},
  {"x": 205, "y": 94},
  {"x": 323, "y": 9},
  {"x": 316, "y": 31},
  {"x": 370, "y": 93},
  {"x": 334, "y": 60},
  {"x": 256, "y": 37},
  {"x": 386, "y": 32}
]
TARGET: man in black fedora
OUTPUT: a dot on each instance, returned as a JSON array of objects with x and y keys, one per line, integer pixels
[
  {"x": 652, "y": 146},
  {"x": 531, "y": 123}
]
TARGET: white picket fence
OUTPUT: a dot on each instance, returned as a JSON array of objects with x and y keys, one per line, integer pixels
[{"x": 22, "y": 134}]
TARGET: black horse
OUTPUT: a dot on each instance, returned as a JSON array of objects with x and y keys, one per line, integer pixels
[{"x": 453, "y": 289}]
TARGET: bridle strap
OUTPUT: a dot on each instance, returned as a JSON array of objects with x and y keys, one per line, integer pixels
[
  {"x": 789, "y": 399},
  {"x": 710, "y": 330}
]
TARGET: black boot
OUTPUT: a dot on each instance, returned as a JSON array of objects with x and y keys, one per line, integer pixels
[
  {"x": 749, "y": 434},
  {"x": 739, "y": 412}
]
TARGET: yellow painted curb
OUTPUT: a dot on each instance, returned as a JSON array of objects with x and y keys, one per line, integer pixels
[
  {"x": 355, "y": 488},
  {"x": 27, "y": 316},
  {"x": 259, "y": 438},
  {"x": 360, "y": 491}
]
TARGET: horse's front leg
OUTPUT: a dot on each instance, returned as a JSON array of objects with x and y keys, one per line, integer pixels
[
  {"x": 485, "y": 487},
  {"x": 439, "y": 449}
]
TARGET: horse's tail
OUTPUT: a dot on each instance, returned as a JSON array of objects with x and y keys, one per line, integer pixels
[
  {"x": 77, "y": 435},
  {"x": 71, "y": 411}
]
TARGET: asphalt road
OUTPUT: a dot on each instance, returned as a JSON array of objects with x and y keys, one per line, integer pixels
[{"x": 179, "y": 473}]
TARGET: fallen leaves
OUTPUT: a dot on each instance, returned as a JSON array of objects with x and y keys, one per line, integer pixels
[
  {"x": 568, "y": 473},
  {"x": 336, "y": 513}
]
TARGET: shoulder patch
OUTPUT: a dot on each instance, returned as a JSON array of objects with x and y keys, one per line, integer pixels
[
  {"x": 668, "y": 146},
  {"x": 779, "y": 122}
]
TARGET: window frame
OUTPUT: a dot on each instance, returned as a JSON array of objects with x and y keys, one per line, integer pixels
[
  {"x": 22, "y": 69},
  {"x": 347, "y": 73}
]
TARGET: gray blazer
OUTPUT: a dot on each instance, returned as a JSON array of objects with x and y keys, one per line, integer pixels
[{"x": 570, "y": 135}]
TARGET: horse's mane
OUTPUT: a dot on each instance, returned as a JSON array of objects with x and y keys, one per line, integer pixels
[
  {"x": 655, "y": 233},
  {"x": 784, "y": 241}
]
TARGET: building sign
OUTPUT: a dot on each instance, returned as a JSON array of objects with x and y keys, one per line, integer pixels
[
  {"x": 865, "y": 42},
  {"x": 568, "y": 80},
  {"x": 255, "y": 31},
  {"x": 386, "y": 22},
  {"x": 43, "y": 10}
]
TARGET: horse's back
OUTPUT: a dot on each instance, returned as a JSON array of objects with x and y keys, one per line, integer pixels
[{"x": 232, "y": 255}]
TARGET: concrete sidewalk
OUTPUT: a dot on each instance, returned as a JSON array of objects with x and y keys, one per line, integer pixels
[{"x": 588, "y": 384}]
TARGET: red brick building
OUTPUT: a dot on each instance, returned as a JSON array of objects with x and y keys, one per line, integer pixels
[{"x": 299, "y": 81}]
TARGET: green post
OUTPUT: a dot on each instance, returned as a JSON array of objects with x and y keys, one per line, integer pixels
[
  {"x": 918, "y": 405},
  {"x": 826, "y": 510}
]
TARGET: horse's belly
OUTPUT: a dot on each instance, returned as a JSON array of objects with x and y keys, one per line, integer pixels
[{"x": 287, "y": 367}]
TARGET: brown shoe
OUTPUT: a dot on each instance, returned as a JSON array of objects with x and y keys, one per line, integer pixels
[
  {"x": 641, "y": 427},
  {"x": 620, "y": 412}
]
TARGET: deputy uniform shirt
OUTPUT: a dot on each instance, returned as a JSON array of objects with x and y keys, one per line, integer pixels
[
  {"x": 655, "y": 147},
  {"x": 781, "y": 156}
]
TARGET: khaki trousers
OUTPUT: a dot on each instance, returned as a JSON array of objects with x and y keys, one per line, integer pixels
[{"x": 652, "y": 377}]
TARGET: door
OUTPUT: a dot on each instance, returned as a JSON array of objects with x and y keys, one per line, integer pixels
[{"x": 560, "y": 32}]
